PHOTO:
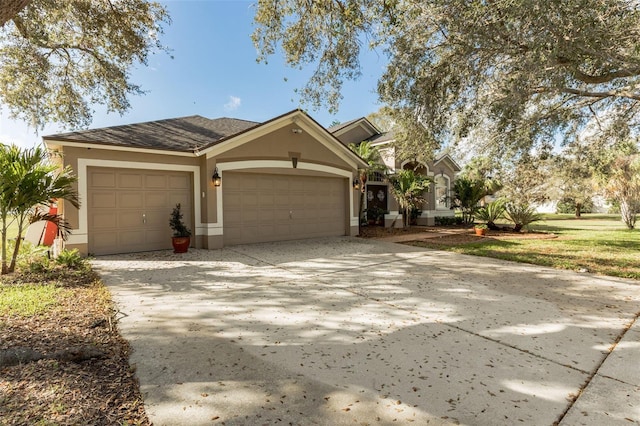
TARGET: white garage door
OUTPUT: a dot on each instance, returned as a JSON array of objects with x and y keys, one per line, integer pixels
[
  {"x": 128, "y": 209},
  {"x": 266, "y": 207}
]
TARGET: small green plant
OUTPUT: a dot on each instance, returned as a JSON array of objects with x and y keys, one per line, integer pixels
[
  {"x": 521, "y": 215},
  {"x": 176, "y": 224},
  {"x": 447, "y": 220},
  {"x": 33, "y": 258},
  {"x": 481, "y": 226},
  {"x": 71, "y": 259},
  {"x": 492, "y": 212},
  {"x": 375, "y": 213}
]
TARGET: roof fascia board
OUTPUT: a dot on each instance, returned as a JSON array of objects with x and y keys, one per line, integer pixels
[{"x": 63, "y": 143}]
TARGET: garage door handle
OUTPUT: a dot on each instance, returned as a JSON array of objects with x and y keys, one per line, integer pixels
[{"x": 144, "y": 218}]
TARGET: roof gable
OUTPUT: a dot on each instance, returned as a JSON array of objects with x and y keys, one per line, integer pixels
[{"x": 301, "y": 120}]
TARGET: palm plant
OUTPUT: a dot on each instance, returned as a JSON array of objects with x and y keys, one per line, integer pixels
[
  {"x": 467, "y": 193},
  {"x": 27, "y": 180},
  {"x": 408, "y": 187},
  {"x": 492, "y": 212},
  {"x": 371, "y": 156},
  {"x": 521, "y": 215}
]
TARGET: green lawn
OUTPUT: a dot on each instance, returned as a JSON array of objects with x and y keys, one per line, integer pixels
[{"x": 596, "y": 243}]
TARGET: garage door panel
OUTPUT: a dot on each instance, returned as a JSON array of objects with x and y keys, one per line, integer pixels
[
  {"x": 155, "y": 181},
  {"x": 103, "y": 180},
  {"x": 129, "y": 180},
  {"x": 283, "y": 207},
  {"x": 179, "y": 182},
  {"x": 129, "y": 219},
  {"x": 102, "y": 200},
  {"x": 130, "y": 200},
  {"x": 155, "y": 199},
  {"x": 161, "y": 239},
  {"x": 106, "y": 220},
  {"x": 102, "y": 241},
  {"x": 158, "y": 219},
  {"x": 134, "y": 214},
  {"x": 175, "y": 198},
  {"x": 131, "y": 238}
]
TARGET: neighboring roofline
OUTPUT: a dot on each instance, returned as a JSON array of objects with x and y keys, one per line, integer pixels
[{"x": 341, "y": 129}]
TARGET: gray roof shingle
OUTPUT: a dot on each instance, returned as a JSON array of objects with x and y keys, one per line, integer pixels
[{"x": 185, "y": 134}]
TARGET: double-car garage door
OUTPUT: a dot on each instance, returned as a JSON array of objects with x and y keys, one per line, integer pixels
[
  {"x": 269, "y": 207},
  {"x": 128, "y": 209}
]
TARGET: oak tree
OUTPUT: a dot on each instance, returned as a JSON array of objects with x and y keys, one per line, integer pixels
[
  {"x": 521, "y": 73},
  {"x": 60, "y": 57}
]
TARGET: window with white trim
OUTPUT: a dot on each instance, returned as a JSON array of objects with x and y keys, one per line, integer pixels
[{"x": 442, "y": 192}]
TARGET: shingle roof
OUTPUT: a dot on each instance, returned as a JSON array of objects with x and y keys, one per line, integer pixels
[
  {"x": 337, "y": 127},
  {"x": 187, "y": 134}
]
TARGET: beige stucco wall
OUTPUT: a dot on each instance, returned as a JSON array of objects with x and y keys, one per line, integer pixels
[{"x": 281, "y": 144}]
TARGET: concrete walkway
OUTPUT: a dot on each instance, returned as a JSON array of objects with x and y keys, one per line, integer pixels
[{"x": 351, "y": 331}]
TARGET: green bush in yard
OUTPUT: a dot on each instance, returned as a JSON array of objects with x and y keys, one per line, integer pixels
[{"x": 521, "y": 215}]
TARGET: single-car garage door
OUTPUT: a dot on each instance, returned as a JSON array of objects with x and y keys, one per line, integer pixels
[
  {"x": 266, "y": 207},
  {"x": 128, "y": 209}
]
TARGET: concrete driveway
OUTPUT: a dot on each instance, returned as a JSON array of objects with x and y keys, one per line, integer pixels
[{"x": 350, "y": 331}]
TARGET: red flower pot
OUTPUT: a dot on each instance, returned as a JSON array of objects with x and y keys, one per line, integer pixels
[{"x": 180, "y": 244}]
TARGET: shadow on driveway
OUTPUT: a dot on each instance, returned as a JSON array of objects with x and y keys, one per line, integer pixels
[{"x": 344, "y": 330}]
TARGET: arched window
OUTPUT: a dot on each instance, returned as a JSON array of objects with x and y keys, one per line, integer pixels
[{"x": 442, "y": 192}]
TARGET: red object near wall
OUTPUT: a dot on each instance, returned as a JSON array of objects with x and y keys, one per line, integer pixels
[{"x": 51, "y": 229}]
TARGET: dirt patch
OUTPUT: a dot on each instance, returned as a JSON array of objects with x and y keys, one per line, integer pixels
[{"x": 99, "y": 390}]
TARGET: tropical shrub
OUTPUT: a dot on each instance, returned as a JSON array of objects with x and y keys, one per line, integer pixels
[
  {"x": 491, "y": 213},
  {"x": 467, "y": 193},
  {"x": 408, "y": 188},
  {"x": 28, "y": 179},
  {"x": 521, "y": 215}
]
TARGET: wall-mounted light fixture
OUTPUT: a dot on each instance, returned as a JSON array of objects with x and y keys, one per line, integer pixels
[
  {"x": 356, "y": 184},
  {"x": 296, "y": 131},
  {"x": 441, "y": 172},
  {"x": 294, "y": 162},
  {"x": 216, "y": 179}
]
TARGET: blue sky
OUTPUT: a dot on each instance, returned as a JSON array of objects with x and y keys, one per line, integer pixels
[{"x": 214, "y": 74}]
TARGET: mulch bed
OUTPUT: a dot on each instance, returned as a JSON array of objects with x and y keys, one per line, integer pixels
[
  {"x": 81, "y": 374},
  {"x": 450, "y": 235}
]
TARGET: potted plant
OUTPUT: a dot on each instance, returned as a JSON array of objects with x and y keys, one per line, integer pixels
[
  {"x": 181, "y": 234},
  {"x": 480, "y": 228}
]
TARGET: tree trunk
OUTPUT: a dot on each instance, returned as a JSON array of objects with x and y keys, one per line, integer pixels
[
  {"x": 627, "y": 213},
  {"x": 16, "y": 249},
  {"x": 578, "y": 210},
  {"x": 4, "y": 270}
]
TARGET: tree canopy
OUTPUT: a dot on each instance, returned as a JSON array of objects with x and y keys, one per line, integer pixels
[
  {"x": 59, "y": 57},
  {"x": 515, "y": 74}
]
